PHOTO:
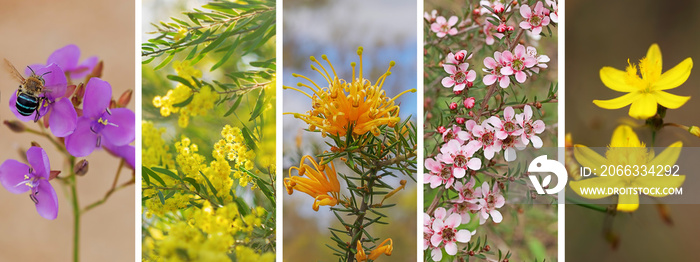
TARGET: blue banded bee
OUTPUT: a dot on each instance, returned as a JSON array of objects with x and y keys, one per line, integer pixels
[{"x": 29, "y": 92}]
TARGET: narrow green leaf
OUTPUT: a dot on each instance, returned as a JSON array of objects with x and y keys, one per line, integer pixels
[{"x": 258, "y": 105}]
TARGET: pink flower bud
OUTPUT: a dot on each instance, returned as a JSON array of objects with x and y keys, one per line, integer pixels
[
  {"x": 511, "y": 28},
  {"x": 470, "y": 84},
  {"x": 460, "y": 120},
  {"x": 441, "y": 129},
  {"x": 458, "y": 92},
  {"x": 501, "y": 28},
  {"x": 453, "y": 105},
  {"x": 469, "y": 102},
  {"x": 471, "y": 113},
  {"x": 459, "y": 56}
]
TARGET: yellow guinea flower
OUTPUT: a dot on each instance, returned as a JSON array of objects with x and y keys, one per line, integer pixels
[
  {"x": 342, "y": 105},
  {"x": 645, "y": 92},
  {"x": 626, "y": 149},
  {"x": 694, "y": 130},
  {"x": 361, "y": 256},
  {"x": 321, "y": 182}
]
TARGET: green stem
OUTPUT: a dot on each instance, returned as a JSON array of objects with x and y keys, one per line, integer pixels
[
  {"x": 76, "y": 212},
  {"x": 587, "y": 205}
]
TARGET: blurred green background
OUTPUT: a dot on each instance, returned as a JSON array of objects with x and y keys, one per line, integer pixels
[
  {"x": 387, "y": 31},
  {"x": 607, "y": 33}
]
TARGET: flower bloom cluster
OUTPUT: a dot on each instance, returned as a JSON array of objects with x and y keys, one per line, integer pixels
[
  {"x": 534, "y": 19},
  {"x": 101, "y": 122},
  {"x": 457, "y": 154},
  {"x": 520, "y": 63},
  {"x": 209, "y": 235},
  {"x": 202, "y": 99},
  {"x": 358, "y": 105},
  {"x": 321, "y": 182}
]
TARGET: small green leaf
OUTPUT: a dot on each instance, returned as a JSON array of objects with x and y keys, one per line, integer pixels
[{"x": 258, "y": 105}]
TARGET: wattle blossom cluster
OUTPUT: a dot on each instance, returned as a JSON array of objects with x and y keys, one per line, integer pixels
[
  {"x": 520, "y": 63},
  {"x": 458, "y": 153}
]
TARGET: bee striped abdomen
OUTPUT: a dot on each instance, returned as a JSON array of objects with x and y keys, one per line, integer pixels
[{"x": 26, "y": 104}]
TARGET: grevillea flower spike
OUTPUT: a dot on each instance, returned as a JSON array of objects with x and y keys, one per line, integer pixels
[
  {"x": 321, "y": 182},
  {"x": 383, "y": 248},
  {"x": 342, "y": 105},
  {"x": 19, "y": 178},
  {"x": 645, "y": 92},
  {"x": 99, "y": 122}
]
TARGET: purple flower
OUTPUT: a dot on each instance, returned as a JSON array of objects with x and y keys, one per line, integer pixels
[
  {"x": 99, "y": 123},
  {"x": 67, "y": 58},
  {"x": 62, "y": 115},
  {"x": 18, "y": 178},
  {"x": 126, "y": 152}
]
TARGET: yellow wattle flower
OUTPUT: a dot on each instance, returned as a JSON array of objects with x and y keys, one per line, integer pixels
[
  {"x": 358, "y": 105},
  {"x": 645, "y": 92},
  {"x": 626, "y": 149},
  {"x": 321, "y": 182},
  {"x": 361, "y": 256}
]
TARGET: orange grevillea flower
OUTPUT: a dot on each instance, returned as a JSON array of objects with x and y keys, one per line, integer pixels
[
  {"x": 383, "y": 248},
  {"x": 321, "y": 182},
  {"x": 356, "y": 105}
]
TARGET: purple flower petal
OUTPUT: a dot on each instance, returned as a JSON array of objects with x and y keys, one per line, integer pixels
[
  {"x": 13, "y": 108},
  {"x": 127, "y": 152},
  {"x": 82, "y": 141},
  {"x": 55, "y": 81},
  {"x": 66, "y": 57},
  {"x": 12, "y": 174},
  {"x": 98, "y": 93},
  {"x": 84, "y": 68},
  {"x": 47, "y": 201},
  {"x": 63, "y": 118},
  {"x": 37, "y": 158},
  {"x": 123, "y": 133}
]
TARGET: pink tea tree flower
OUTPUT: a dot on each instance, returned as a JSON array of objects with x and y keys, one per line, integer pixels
[
  {"x": 446, "y": 232},
  {"x": 489, "y": 201},
  {"x": 490, "y": 33},
  {"x": 456, "y": 133},
  {"x": 535, "y": 19},
  {"x": 530, "y": 128},
  {"x": 460, "y": 76},
  {"x": 460, "y": 156},
  {"x": 554, "y": 16},
  {"x": 443, "y": 27},
  {"x": 98, "y": 122},
  {"x": 458, "y": 58},
  {"x": 485, "y": 136},
  {"x": 516, "y": 63},
  {"x": 61, "y": 113},
  {"x": 497, "y": 5},
  {"x": 493, "y": 69},
  {"x": 439, "y": 173},
  {"x": 19, "y": 178},
  {"x": 427, "y": 230},
  {"x": 541, "y": 59},
  {"x": 430, "y": 17},
  {"x": 68, "y": 58}
]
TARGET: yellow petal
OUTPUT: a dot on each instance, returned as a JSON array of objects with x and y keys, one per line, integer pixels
[
  {"x": 628, "y": 203},
  {"x": 643, "y": 107},
  {"x": 669, "y": 156},
  {"x": 659, "y": 181},
  {"x": 654, "y": 55},
  {"x": 624, "y": 136},
  {"x": 674, "y": 77},
  {"x": 615, "y": 79},
  {"x": 596, "y": 182},
  {"x": 586, "y": 157},
  {"x": 617, "y": 103},
  {"x": 669, "y": 100}
]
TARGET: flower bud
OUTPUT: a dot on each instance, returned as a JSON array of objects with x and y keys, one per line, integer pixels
[
  {"x": 441, "y": 129},
  {"x": 54, "y": 174},
  {"x": 469, "y": 102},
  {"x": 125, "y": 98},
  {"x": 538, "y": 105},
  {"x": 15, "y": 126},
  {"x": 460, "y": 120},
  {"x": 77, "y": 98},
  {"x": 510, "y": 28},
  {"x": 453, "y": 105},
  {"x": 471, "y": 114},
  {"x": 694, "y": 130},
  {"x": 501, "y": 28},
  {"x": 34, "y": 143},
  {"x": 458, "y": 92},
  {"x": 81, "y": 168}
]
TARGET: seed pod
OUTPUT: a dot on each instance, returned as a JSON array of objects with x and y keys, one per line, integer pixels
[
  {"x": 15, "y": 126},
  {"x": 81, "y": 168}
]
